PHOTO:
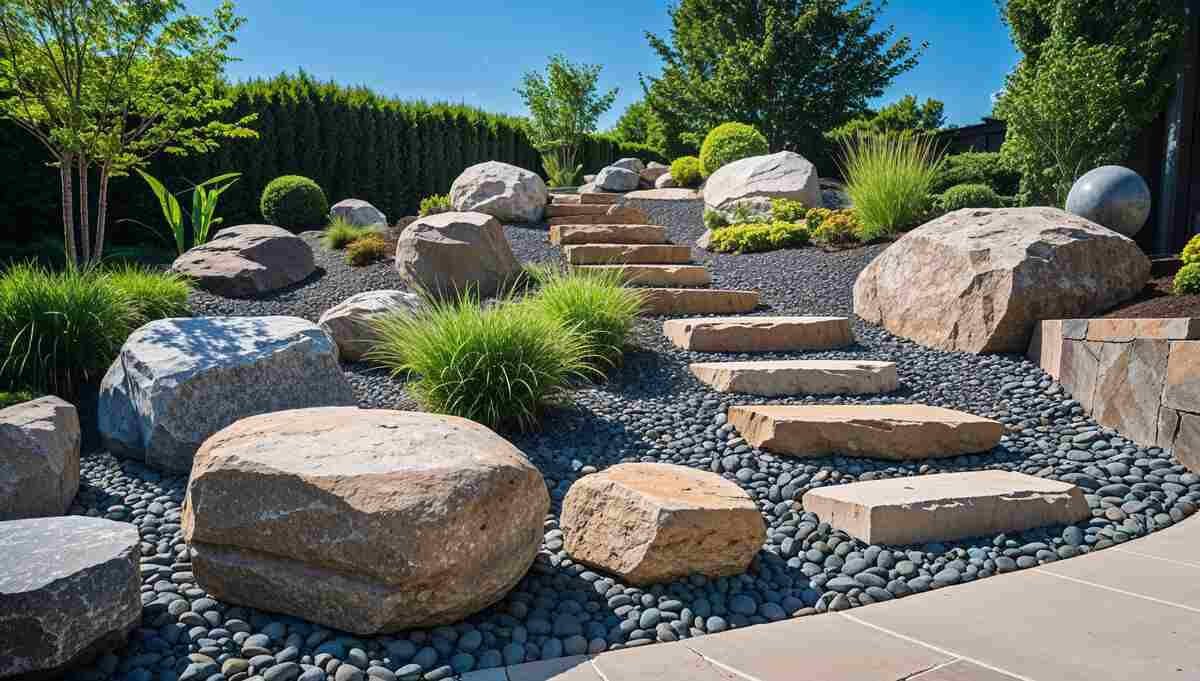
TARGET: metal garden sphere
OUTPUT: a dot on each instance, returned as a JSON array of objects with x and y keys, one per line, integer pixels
[{"x": 1113, "y": 196}]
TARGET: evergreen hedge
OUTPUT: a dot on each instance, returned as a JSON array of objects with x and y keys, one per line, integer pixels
[{"x": 351, "y": 141}]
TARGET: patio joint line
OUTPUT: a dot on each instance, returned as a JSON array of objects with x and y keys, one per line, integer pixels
[
  {"x": 717, "y": 663},
  {"x": 1185, "y": 563},
  {"x": 596, "y": 668},
  {"x": 1119, "y": 591},
  {"x": 938, "y": 649},
  {"x": 934, "y": 668}
]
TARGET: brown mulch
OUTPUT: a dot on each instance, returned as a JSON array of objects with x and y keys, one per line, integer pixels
[{"x": 1156, "y": 301}]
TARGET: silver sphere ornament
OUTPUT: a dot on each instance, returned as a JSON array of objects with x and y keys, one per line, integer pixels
[{"x": 1113, "y": 196}]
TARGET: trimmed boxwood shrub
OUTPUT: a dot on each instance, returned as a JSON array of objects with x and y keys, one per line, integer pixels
[
  {"x": 730, "y": 142},
  {"x": 294, "y": 202},
  {"x": 1187, "y": 280},
  {"x": 968, "y": 196},
  {"x": 685, "y": 170}
]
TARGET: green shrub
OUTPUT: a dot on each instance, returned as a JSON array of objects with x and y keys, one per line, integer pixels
[
  {"x": 714, "y": 219},
  {"x": 977, "y": 167},
  {"x": 438, "y": 203},
  {"x": 366, "y": 250},
  {"x": 968, "y": 196},
  {"x": 787, "y": 210},
  {"x": 836, "y": 228},
  {"x": 730, "y": 142},
  {"x": 596, "y": 304},
  {"x": 1191, "y": 252},
  {"x": 9, "y": 398},
  {"x": 154, "y": 294},
  {"x": 758, "y": 237},
  {"x": 496, "y": 365},
  {"x": 1187, "y": 280},
  {"x": 686, "y": 172},
  {"x": 888, "y": 176},
  {"x": 340, "y": 234},
  {"x": 294, "y": 202}
]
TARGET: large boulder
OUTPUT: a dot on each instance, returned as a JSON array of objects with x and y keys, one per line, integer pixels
[
  {"x": 178, "y": 381},
  {"x": 785, "y": 175},
  {"x": 363, "y": 520},
  {"x": 649, "y": 523},
  {"x": 652, "y": 172},
  {"x": 665, "y": 181},
  {"x": 979, "y": 280},
  {"x": 614, "y": 179},
  {"x": 349, "y": 323},
  {"x": 247, "y": 261},
  {"x": 39, "y": 458},
  {"x": 632, "y": 164},
  {"x": 69, "y": 588},
  {"x": 506, "y": 192},
  {"x": 452, "y": 253},
  {"x": 358, "y": 212}
]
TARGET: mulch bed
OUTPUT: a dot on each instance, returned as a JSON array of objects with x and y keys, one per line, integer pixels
[{"x": 1156, "y": 301}]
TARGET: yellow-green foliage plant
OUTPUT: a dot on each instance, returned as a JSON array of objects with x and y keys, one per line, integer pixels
[
  {"x": 759, "y": 237},
  {"x": 686, "y": 172},
  {"x": 432, "y": 205},
  {"x": 888, "y": 178},
  {"x": 1187, "y": 280},
  {"x": 787, "y": 210},
  {"x": 1191, "y": 252},
  {"x": 835, "y": 228},
  {"x": 340, "y": 234},
  {"x": 366, "y": 250}
]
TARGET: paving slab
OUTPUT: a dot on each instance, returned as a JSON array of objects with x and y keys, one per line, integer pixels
[
  {"x": 1036, "y": 626},
  {"x": 1166, "y": 580},
  {"x": 963, "y": 670},
  {"x": 600, "y": 198},
  {"x": 897, "y": 432},
  {"x": 565, "y": 235},
  {"x": 497, "y": 674},
  {"x": 946, "y": 506},
  {"x": 676, "y": 301},
  {"x": 759, "y": 334},
  {"x": 555, "y": 210},
  {"x": 799, "y": 377},
  {"x": 659, "y": 662},
  {"x": 636, "y": 254},
  {"x": 577, "y": 668},
  {"x": 665, "y": 194},
  {"x": 657, "y": 275},
  {"x": 1179, "y": 542},
  {"x": 613, "y": 215}
]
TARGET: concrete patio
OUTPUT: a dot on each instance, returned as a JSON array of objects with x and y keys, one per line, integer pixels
[{"x": 1129, "y": 612}]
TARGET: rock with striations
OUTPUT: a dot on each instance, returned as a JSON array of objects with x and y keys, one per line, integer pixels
[
  {"x": 614, "y": 179},
  {"x": 247, "y": 261},
  {"x": 785, "y": 175},
  {"x": 631, "y": 164},
  {"x": 363, "y": 520},
  {"x": 358, "y": 213},
  {"x": 452, "y": 253},
  {"x": 349, "y": 323},
  {"x": 506, "y": 192},
  {"x": 39, "y": 458},
  {"x": 178, "y": 381},
  {"x": 665, "y": 181},
  {"x": 979, "y": 280},
  {"x": 650, "y": 523},
  {"x": 70, "y": 588}
]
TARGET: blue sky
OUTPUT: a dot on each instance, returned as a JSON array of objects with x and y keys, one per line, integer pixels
[{"x": 474, "y": 51}]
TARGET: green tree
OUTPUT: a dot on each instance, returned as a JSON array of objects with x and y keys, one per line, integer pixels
[
  {"x": 793, "y": 69},
  {"x": 564, "y": 105},
  {"x": 899, "y": 116},
  {"x": 639, "y": 125},
  {"x": 1093, "y": 75},
  {"x": 106, "y": 84}
]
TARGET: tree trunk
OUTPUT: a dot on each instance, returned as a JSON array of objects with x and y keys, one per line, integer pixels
[
  {"x": 85, "y": 218},
  {"x": 101, "y": 215},
  {"x": 65, "y": 169}
]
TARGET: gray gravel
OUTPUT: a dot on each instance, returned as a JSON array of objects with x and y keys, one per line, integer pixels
[{"x": 652, "y": 409}]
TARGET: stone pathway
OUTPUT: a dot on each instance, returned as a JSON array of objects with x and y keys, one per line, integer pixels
[{"x": 1129, "y": 612}]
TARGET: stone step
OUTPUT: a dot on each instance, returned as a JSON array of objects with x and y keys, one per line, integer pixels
[
  {"x": 558, "y": 210},
  {"x": 614, "y": 215},
  {"x": 564, "y": 199},
  {"x": 676, "y": 301},
  {"x": 759, "y": 334},
  {"x": 799, "y": 377},
  {"x": 897, "y": 432},
  {"x": 600, "y": 198},
  {"x": 947, "y": 506},
  {"x": 565, "y": 235},
  {"x": 632, "y": 254},
  {"x": 658, "y": 275}
]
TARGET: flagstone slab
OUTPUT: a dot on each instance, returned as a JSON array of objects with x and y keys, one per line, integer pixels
[
  {"x": 672, "y": 276},
  {"x": 565, "y": 235},
  {"x": 759, "y": 334},
  {"x": 555, "y": 210},
  {"x": 677, "y": 301},
  {"x": 635, "y": 254},
  {"x": 947, "y": 506},
  {"x": 799, "y": 377}
]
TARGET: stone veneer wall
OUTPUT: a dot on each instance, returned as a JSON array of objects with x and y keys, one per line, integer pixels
[{"x": 1139, "y": 376}]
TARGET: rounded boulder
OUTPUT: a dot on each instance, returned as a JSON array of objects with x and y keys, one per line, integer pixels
[
  {"x": 349, "y": 323},
  {"x": 785, "y": 175},
  {"x": 358, "y": 213},
  {"x": 452, "y": 253},
  {"x": 366, "y": 521},
  {"x": 1113, "y": 196},
  {"x": 247, "y": 261},
  {"x": 506, "y": 192},
  {"x": 614, "y": 179}
]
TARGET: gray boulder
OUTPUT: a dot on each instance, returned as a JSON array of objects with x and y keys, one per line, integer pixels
[
  {"x": 1113, "y": 196},
  {"x": 506, "y": 192},
  {"x": 358, "y": 212},
  {"x": 349, "y": 323},
  {"x": 247, "y": 261},
  {"x": 69, "y": 589},
  {"x": 785, "y": 175},
  {"x": 448, "y": 254},
  {"x": 614, "y": 179},
  {"x": 632, "y": 164},
  {"x": 178, "y": 381},
  {"x": 650, "y": 174},
  {"x": 39, "y": 458}
]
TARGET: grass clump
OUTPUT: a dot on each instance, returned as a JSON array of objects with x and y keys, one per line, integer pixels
[
  {"x": 596, "y": 304},
  {"x": 366, "y": 250},
  {"x": 153, "y": 294},
  {"x": 497, "y": 365},
  {"x": 685, "y": 170},
  {"x": 1187, "y": 280},
  {"x": 340, "y": 234},
  {"x": 758, "y": 237},
  {"x": 432, "y": 205},
  {"x": 888, "y": 178}
]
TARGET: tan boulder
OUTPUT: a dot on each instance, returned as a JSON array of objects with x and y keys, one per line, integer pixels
[
  {"x": 39, "y": 458},
  {"x": 651, "y": 522},
  {"x": 247, "y": 260},
  {"x": 759, "y": 334},
  {"x": 799, "y": 377},
  {"x": 449, "y": 254},
  {"x": 349, "y": 323},
  {"x": 897, "y": 432},
  {"x": 362, "y": 520},
  {"x": 947, "y": 506},
  {"x": 979, "y": 280},
  {"x": 783, "y": 175}
]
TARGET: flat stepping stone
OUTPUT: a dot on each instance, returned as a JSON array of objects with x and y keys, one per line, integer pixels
[
  {"x": 897, "y": 432},
  {"x": 70, "y": 588},
  {"x": 759, "y": 334},
  {"x": 555, "y": 210},
  {"x": 565, "y": 235},
  {"x": 799, "y": 377},
  {"x": 633, "y": 254},
  {"x": 947, "y": 506},
  {"x": 676, "y": 301},
  {"x": 600, "y": 198},
  {"x": 671, "y": 276}
]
